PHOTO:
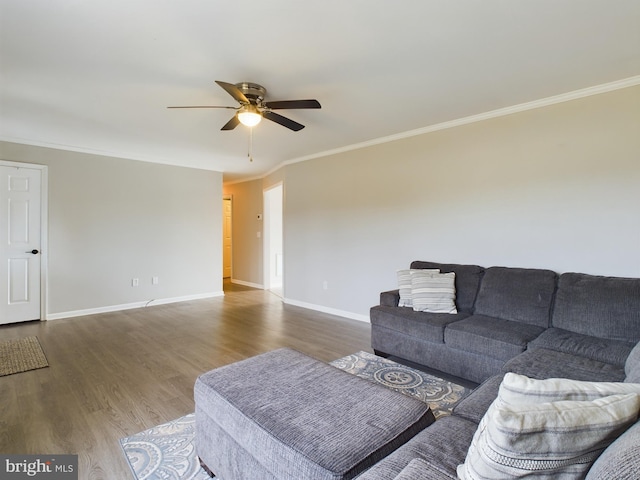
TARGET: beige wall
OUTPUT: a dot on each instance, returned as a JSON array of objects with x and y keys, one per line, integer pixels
[
  {"x": 111, "y": 220},
  {"x": 556, "y": 187},
  {"x": 247, "y": 201}
]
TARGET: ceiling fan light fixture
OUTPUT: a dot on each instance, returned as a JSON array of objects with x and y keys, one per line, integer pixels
[{"x": 249, "y": 116}]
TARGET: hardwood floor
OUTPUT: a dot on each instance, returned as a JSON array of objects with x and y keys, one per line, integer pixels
[{"x": 115, "y": 374}]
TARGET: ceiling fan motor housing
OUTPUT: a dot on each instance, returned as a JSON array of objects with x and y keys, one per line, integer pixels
[{"x": 254, "y": 92}]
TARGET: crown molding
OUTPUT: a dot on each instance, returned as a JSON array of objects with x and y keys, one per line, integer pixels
[{"x": 500, "y": 112}]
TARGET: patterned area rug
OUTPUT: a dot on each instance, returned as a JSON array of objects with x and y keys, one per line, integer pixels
[
  {"x": 21, "y": 355},
  {"x": 167, "y": 452},
  {"x": 441, "y": 395}
]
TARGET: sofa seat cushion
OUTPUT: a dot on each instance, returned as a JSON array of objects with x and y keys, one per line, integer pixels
[
  {"x": 494, "y": 337},
  {"x": 443, "y": 444},
  {"x": 467, "y": 281},
  {"x": 614, "y": 352},
  {"x": 604, "y": 307},
  {"x": 474, "y": 406},
  {"x": 519, "y": 294},
  {"x": 420, "y": 469},
  {"x": 423, "y": 325},
  {"x": 543, "y": 363}
]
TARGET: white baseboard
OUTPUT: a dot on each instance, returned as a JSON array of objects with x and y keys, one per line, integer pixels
[
  {"x": 129, "y": 306},
  {"x": 332, "y": 311},
  {"x": 247, "y": 284}
]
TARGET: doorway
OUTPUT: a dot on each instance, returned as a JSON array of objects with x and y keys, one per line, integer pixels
[
  {"x": 273, "y": 240},
  {"x": 227, "y": 242},
  {"x": 23, "y": 217}
]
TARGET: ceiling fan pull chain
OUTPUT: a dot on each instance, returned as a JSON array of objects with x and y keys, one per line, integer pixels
[{"x": 249, "y": 154}]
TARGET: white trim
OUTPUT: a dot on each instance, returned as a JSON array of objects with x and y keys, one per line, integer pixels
[
  {"x": 230, "y": 198},
  {"x": 266, "y": 233},
  {"x": 247, "y": 284},
  {"x": 331, "y": 311},
  {"x": 256, "y": 177},
  {"x": 129, "y": 306},
  {"x": 501, "y": 112},
  {"x": 44, "y": 229},
  {"x": 544, "y": 102},
  {"x": 102, "y": 153}
]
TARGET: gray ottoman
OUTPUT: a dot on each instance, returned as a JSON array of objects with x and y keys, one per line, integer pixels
[{"x": 283, "y": 415}]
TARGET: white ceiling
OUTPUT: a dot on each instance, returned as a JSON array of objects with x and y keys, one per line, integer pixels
[{"x": 96, "y": 76}]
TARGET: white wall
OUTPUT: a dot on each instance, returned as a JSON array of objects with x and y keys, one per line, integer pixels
[
  {"x": 557, "y": 187},
  {"x": 111, "y": 220}
]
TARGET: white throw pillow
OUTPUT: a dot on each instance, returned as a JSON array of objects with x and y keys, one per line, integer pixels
[
  {"x": 522, "y": 435},
  {"x": 546, "y": 440},
  {"x": 435, "y": 293},
  {"x": 517, "y": 389},
  {"x": 404, "y": 284}
]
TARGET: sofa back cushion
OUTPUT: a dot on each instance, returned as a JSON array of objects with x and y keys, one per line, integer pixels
[
  {"x": 621, "y": 459},
  {"x": 517, "y": 294},
  {"x": 632, "y": 365},
  {"x": 467, "y": 281},
  {"x": 604, "y": 307}
]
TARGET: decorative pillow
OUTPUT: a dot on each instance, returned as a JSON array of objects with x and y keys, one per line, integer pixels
[
  {"x": 523, "y": 434},
  {"x": 546, "y": 440},
  {"x": 404, "y": 284},
  {"x": 434, "y": 293},
  {"x": 517, "y": 389}
]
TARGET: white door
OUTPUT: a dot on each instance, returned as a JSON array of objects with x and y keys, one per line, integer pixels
[
  {"x": 273, "y": 239},
  {"x": 20, "y": 190}
]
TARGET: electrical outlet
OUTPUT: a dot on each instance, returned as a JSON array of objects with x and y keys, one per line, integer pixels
[
  {"x": 135, "y": 282},
  {"x": 154, "y": 280},
  {"x": 325, "y": 285}
]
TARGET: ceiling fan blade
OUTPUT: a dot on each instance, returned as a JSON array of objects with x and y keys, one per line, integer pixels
[
  {"x": 292, "y": 104},
  {"x": 204, "y": 106},
  {"x": 231, "y": 124},
  {"x": 234, "y": 91},
  {"x": 284, "y": 121}
]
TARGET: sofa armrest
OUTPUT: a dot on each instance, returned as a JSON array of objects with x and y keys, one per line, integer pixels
[{"x": 390, "y": 298}]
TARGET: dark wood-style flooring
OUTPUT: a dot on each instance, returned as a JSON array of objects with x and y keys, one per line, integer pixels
[{"x": 115, "y": 374}]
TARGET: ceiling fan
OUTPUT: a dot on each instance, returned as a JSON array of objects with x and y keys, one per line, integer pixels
[{"x": 253, "y": 108}]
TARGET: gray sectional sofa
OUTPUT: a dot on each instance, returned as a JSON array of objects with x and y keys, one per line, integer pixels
[{"x": 528, "y": 321}]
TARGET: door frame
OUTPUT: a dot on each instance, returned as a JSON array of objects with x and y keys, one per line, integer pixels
[
  {"x": 44, "y": 228},
  {"x": 230, "y": 198}
]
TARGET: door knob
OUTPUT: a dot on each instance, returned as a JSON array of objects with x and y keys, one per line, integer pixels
[{"x": 34, "y": 251}]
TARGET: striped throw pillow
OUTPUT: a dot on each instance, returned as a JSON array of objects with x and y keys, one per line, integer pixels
[
  {"x": 518, "y": 389},
  {"x": 404, "y": 284},
  {"x": 540, "y": 439},
  {"x": 435, "y": 293}
]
